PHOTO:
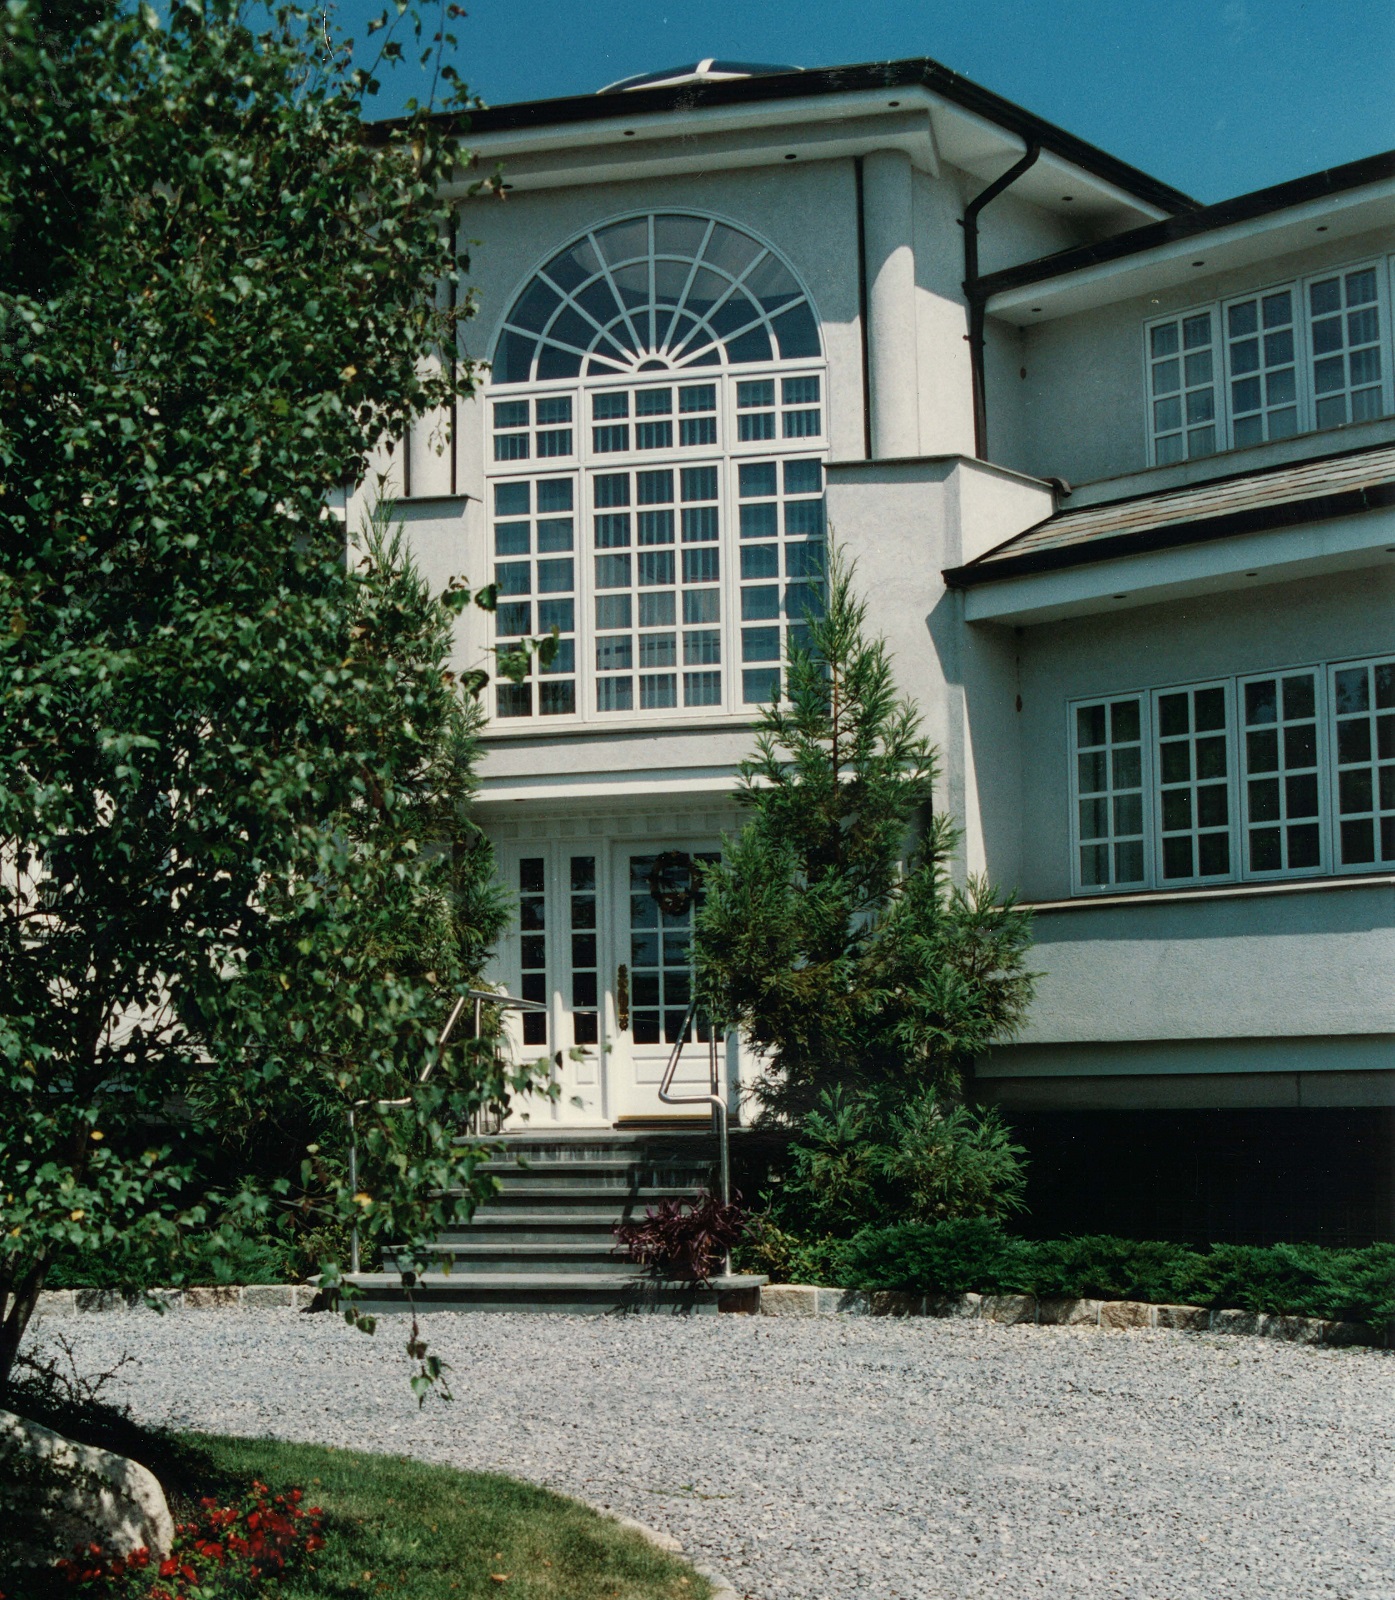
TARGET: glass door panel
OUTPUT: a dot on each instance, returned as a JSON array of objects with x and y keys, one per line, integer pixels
[{"x": 662, "y": 893}]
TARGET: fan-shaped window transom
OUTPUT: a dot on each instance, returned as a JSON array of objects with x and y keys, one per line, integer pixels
[{"x": 658, "y": 293}]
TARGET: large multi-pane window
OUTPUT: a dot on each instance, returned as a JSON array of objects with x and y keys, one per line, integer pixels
[
  {"x": 1314, "y": 353},
  {"x": 658, "y": 424},
  {"x": 1270, "y": 775}
]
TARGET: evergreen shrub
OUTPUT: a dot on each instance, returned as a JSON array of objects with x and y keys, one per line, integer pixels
[{"x": 976, "y": 1255}]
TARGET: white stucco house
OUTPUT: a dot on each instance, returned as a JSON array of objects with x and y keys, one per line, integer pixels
[{"x": 1118, "y": 473}]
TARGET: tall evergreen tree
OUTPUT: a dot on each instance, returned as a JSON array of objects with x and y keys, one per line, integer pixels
[{"x": 832, "y": 933}]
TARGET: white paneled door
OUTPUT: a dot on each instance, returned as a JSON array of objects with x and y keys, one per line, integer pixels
[{"x": 602, "y": 937}]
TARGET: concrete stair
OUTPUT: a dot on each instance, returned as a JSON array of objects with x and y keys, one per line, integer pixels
[{"x": 544, "y": 1242}]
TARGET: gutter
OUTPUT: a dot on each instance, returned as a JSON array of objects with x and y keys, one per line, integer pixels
[
  {"x": 975, "y": 293},
  {"x": 1315, "y": 186},
  {"x": 815, "y": 84}
]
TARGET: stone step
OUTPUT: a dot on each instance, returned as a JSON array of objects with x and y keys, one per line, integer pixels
[
  {"x": 577, "y": 1199},
  {"x": 532, "y": 1227},
  {"x": 591, "y": 1294},
  {"x": 469, "y": 1255},
  {"x": 601, "y": 1147},
  {"x": 620, "y": 1175}
]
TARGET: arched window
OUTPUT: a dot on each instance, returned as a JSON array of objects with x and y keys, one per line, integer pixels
[
  {"x": 657, "y": 418},
  {"x": 669, "y": 291}
]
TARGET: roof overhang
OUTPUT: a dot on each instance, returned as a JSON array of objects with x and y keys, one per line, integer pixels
[
  {"x": 918, "y": 105},
  {"x": 930, "y": 130},
  {"x": 1323, "y": 207},
  {"x": 1328, "y": 538}
]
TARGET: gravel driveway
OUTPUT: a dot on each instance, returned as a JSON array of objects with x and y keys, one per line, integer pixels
[{"x": 853, "y": 1458}]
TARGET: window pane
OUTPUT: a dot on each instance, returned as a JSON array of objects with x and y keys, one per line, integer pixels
[
  {"x": 1108, "y": 766},
  {"x": 1365, "y": 761},
  {"x": 1182, "y": 388},
  {"x": 1193, "y": 787}
]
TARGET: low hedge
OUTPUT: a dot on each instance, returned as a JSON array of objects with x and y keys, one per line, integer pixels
[{"x": 976, "y": 1255}]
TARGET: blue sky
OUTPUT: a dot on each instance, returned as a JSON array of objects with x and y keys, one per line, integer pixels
[{"x": 1214, "y": 96}]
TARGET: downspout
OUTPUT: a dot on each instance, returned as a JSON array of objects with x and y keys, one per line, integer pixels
[
  {"x": 974, "y": 292},
  {"x": 862, "y": 310}
]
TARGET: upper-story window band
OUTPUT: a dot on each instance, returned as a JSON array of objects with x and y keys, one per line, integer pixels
[{"x": 661, "y": 292}]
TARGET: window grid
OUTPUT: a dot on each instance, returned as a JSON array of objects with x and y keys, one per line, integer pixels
[
  {"x": 660, "y": 958},
  {"x": 672, "y": 287},
  {"x": 684, "y": 577},
  {"x": 1288, "y": 359},
  {"x": 1262, "y": 366},
  {"x": 781, "y": 525},
  {"x": 535, "y": 569},
  {"x": 1282, "y": 773},
  {"x": 553, "y": 438},
  {"x": 1287, "y": 773},
  {"x": 1345, "y": 319},
  {"x": 532, "y": 924},
  {"x": 1363, "y": 707},
  {"x": 1193, "y": 769},
  {"x": 584, "y": 954},
  {"x": 638, "y": 565},
  {"x": 1109, "y": 788},
  {"x": 1181, "y": 375}
]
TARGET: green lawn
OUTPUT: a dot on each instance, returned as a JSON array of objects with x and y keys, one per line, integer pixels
[{"x": 399, "y": 1528}]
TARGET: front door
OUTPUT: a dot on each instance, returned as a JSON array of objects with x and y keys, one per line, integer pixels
[
  {"x": 602, "y": 940},
  {"x": 657, "y": 891}
]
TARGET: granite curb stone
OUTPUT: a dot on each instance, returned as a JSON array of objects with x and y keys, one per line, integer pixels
[
  {"x": 202, "y": 1297},
  {"x": 1116, "y": 1316},
  {"x": 721, "y": 1589},
  {"x": 811, "y": 1300}
]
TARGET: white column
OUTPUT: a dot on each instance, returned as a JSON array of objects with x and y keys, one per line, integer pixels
[{"x": 891, "y": 326}]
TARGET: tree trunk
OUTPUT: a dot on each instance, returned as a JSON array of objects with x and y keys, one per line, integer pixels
[{"x": 18, "y": 1297}]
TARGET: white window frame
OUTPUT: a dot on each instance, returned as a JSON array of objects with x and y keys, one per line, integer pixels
[
  {"x": 1305, "y": 357},
  {"x": 1331, "y": 669},
  {"x": 1237, "y": 778},
  {"x": 1325, "y": 772},
  {"x": 728, "y": 455},
  {"x": 1196, "y": 829},
  {"x": 1077, "y": 842}
]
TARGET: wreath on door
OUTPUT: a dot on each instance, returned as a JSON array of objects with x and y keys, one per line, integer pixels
[{"x": 671, "y": 882}]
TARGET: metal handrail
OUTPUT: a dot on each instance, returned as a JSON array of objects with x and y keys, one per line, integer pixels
[
  {"x": 505, "y": 1002},
  {"x": 714, "y": 1098}
]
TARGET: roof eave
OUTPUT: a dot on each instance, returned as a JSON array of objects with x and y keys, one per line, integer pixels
[
  {"x": 1195, "y": 224},
  {"x": 1254, "y": 519},
  {"x": 918, "y": 72}
]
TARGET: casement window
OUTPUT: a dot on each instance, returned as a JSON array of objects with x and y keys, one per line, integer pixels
[
  {"x": 658, "y": 421},
  {"x": 1288, "y": 359},
  {"x": 1193, "y": 783},
  {"x": 1269, "y": 775},
  {"x": 1110, "y": 793},
  {"x": 1363, "y": 713},
  {"x": 1182, "y": 381}
]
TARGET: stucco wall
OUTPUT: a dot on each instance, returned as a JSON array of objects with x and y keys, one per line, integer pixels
[
  {"x": 903, "y": 523},
  {"x": 1310, "y": 962},
  {"x": 1083, "y": 409}
]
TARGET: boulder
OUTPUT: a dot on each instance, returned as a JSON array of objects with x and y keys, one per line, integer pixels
[{"x": 57, "y": 1495}]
